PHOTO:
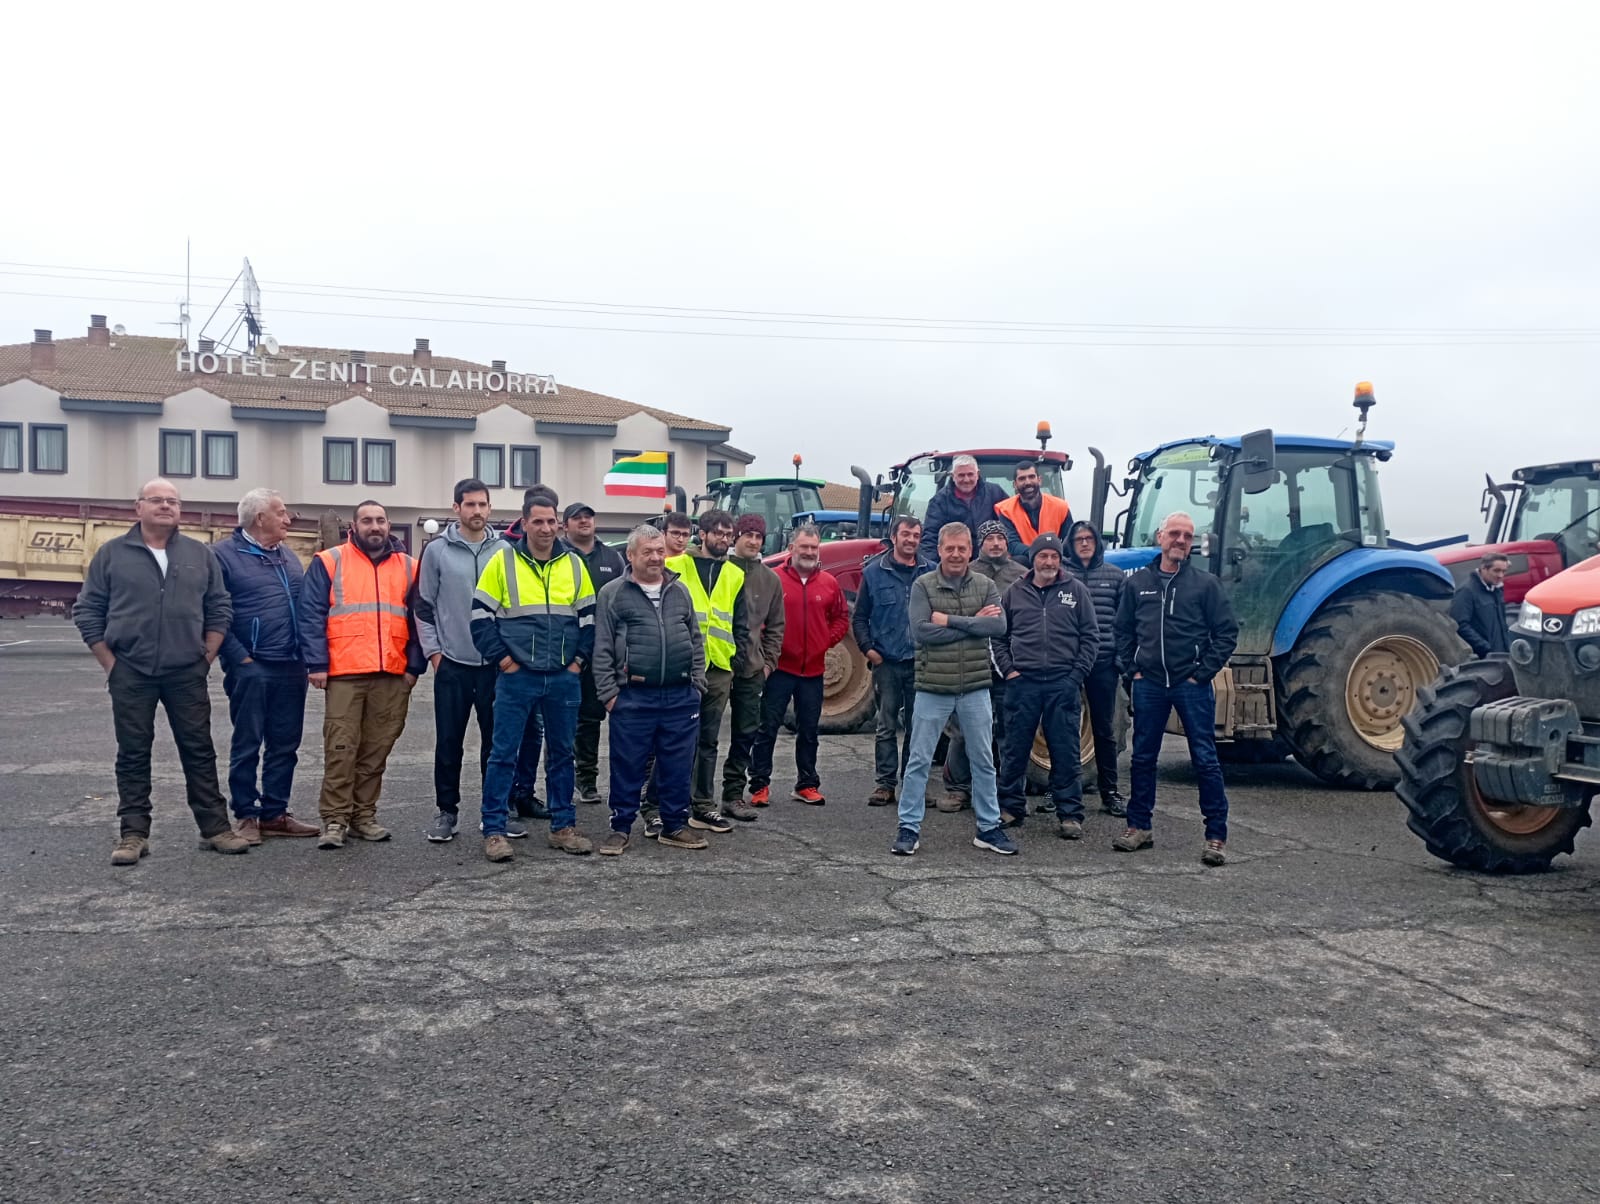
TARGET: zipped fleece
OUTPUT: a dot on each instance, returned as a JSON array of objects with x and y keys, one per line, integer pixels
[
  {"x": 1051, "y": 629},
  {"x": 637, "y": 643},
  {"x": 1174, "y": 628},
  {"x": 1105, "y": 581},
  {"x": 451, "y": 566},
  {"x": 953, "y": 659},
  {"x": 152, "y": 623}
]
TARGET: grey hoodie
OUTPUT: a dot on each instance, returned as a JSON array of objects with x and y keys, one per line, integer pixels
[{"x": 450, "y": 570}]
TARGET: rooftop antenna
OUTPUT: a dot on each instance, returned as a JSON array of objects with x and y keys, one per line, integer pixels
[
  {"x": 248, "y": 315},
  {"x": 251, "y": 309}
]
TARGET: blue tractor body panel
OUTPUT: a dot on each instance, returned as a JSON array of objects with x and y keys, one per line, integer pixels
[{"x": 1346, "y": 570}]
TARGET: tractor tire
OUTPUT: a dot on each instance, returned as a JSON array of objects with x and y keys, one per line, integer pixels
[
  {"x": 849, "y": 702},
  {"x": 1445, "y": 808},
  {"x": 1356, "y": 670},
  {"x": 1039, "y": 759}
]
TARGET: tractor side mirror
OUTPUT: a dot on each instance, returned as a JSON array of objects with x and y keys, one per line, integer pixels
[{"x": 1258, "y": 458}]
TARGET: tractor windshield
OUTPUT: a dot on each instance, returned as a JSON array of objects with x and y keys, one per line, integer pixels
[
  {"x": 1563, "y": 509},
  {"x": 1181, "y": 478},
  {"x": 926, "y": 476}
]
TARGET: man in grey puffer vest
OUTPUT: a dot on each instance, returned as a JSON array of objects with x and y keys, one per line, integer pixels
[
  {"x": 1086, "y": 560},
  {"x": 953, "y": 614}
]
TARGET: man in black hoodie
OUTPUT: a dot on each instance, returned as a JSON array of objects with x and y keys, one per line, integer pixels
[
  {"x": 1175, "y": 632},
  {"x": 1086, "y": 561}
]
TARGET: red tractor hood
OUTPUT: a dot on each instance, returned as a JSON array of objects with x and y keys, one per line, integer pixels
[{"x": 1566, "y": 593}]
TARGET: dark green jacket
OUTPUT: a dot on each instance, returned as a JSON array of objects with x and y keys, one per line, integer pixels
[
  {"x": 763, "y": 607},
  {"x": 953, "y": 659}
]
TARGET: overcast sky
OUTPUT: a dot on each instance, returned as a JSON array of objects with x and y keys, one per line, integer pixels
[{"x": 1410, "y": 175}]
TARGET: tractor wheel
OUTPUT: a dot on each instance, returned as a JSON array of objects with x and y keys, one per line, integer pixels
[
  {"x": 1437, "y": 785},
  {"x": 848, "y": 701},
  {"x": 1354, "y": 673},
  {"x": 1039, "y": 760}
]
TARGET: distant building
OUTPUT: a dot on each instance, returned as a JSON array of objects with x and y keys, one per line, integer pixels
[{"x": 89, "y": 420}]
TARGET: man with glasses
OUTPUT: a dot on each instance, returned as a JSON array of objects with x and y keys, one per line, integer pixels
[
  {"x": 154, "y": 611},
  {"x": 1086, "y": 560}
]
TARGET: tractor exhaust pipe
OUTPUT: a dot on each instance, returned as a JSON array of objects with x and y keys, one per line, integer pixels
[
  {"x": 864, "y": 501},
  {"x": 1099, "y": 487},
  {"x": 681, "y": 498}
]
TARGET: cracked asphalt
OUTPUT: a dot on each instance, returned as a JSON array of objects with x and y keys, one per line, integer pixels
[{"x": 790, "y": 1015}]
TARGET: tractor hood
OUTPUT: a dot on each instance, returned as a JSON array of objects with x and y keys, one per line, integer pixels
[{"x": 1578, "y": 588}]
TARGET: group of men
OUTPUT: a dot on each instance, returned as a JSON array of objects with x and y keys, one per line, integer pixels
[
  {"x": 1007, "y": 645},
  {"x": 542, "y": 634}
]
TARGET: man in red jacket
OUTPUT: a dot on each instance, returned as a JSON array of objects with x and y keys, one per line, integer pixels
[{"x": 815, "y": 618}]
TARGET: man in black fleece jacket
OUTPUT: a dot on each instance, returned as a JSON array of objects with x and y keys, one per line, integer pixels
[{"x": 1175, "y": 632}]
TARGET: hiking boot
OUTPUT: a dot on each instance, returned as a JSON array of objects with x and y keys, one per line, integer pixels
[
  {"x": 588, "y": 792},
  {"x": 498, "y": 848},
  {"x": 1012, "y": 819},
  {"x": 809, "y": 795},
  {"x": 683, "y": 838},
  {"x": 1214, "y": 853},
  {"x": 443, "y": 828},
  {"x": 225, "y": 841},
  {"x": 955, "y": 800},
  {"x": 525, "y": 804},
  {"x": 709, "y": 821},
  {"x": 250, "y": 829},
  {"x": 570, "y": 840},
  {"x": 614, "y": 844},
  {"x": 369, "y": 829},
  {"x": 906, "y": 842},
  {"x": 130, "y": 848},
  {"x": 332, "y": 836},
  {"x": 740, "y": 810},
  {"x": 515, "y": 829},
  {"x": 1113, "y": 803},
  {"x": 883, "y": 796},
  {"x": 996, "y": 841},
  {"x": 761, "y": 797},
  {"x": 1070, "y": 829},
  {"x": 287, "y": 825},
  {"x": 652, "y": 827},
  {"x": 1133, "y": 840}
]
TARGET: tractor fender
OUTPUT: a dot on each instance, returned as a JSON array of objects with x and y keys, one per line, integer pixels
[{"x": 1387, "y": 568}]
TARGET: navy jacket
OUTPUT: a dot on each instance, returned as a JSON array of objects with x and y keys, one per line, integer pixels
[
  {"x": 1051, "y": 630},
  {"x": 1480, "y": 616},
  {"x": 265, "y": 588},
  {"x": 945, "y": 507},
  {"x": 882, "y": 620}
]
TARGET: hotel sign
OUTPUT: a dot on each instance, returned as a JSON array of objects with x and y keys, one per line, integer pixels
[{"x": 400, "y": 376}]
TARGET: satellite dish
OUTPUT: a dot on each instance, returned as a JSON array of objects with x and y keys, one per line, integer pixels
[
  {"x": 119, "y": 330},
  {"x": 271, "y": 344}
]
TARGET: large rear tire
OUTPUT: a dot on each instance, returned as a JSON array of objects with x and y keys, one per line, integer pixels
[
  {"x": 1445, "y": 808},
  {"x": 1354, "y": 673},
  {"x": 849, "y": 703},
  {"x": 1039, "y": 760}
]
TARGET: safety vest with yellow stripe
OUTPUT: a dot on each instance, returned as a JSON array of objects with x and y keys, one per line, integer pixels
[
  {"x": 368, "y": 627},
  {"x": 715, "y": 611},
  {"x": 540, "y": 611}
]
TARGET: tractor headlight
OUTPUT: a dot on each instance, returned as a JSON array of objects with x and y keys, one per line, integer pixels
[
  {"x": 1531, "y": 618},
  {"x": 1585, "y": 622}
]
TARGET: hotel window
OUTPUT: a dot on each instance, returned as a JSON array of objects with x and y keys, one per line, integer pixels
[
  {"x": 339, "y": 461},
  {"x": 177, "y": 453},
  {"x": 10, "y": 447},
  {"x": 524, "y": 467},
  {"x": 47, "y": 448},
  {"x": 378, "y": 461},
  {"x": 489, "y": 464},
  {"x": 716, "y": 470},
  {"x": 219, "y": 455}
]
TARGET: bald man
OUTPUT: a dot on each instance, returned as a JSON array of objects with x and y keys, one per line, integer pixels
[{"x": 154, "y": 610}]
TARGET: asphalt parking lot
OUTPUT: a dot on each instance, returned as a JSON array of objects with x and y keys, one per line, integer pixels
[{"x": 790, "y": 1015}]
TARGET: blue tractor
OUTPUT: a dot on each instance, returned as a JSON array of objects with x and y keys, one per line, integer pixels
[{"x": 1339, "y": 628}]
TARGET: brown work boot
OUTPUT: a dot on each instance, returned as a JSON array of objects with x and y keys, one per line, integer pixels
[
  {"x": 615, "y": 844},
  {"x": 570, "y": 840},
  {"x": 683, "y": 838},
  {"x": 740, "y": 810},
  {"x": 250, "y": 829},
  {"x": 498, "y": 848},
  {"x": 1133, "y": 840},
  {"x": 332, "y": 835},
  {"x": 368, "y": 829},
  {"x": 882, "y": 797},
  {"x": 1070, "y": 829},
  {"x": 226, "y": 841},
  {"x": 130, "y": 848},
  {"x": 955, "y": 800},
  {"x": 286, "y": 825},
  {"x": 1214, "y": 854}
]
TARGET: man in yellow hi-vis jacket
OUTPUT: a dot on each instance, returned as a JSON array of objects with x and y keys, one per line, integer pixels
[{"x": 533, "y": 615}]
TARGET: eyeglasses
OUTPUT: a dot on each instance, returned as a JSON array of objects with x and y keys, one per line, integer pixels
[{"x": 162, "y": 501}]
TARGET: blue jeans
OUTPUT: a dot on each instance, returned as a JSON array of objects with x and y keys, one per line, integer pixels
[
  {"x": 526, "y": 780},
  {"x": 659, "y": 722},
  {"x": 556, "y": 697},
  {"x": 928, "y": 715},
  {"x": 267, "y": 706},
  {"x": 1197, "y": 709},
  {"x": 1032, "y": 700}
]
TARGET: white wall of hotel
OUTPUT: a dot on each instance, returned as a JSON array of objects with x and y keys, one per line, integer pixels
[{"x": 110, "y": 455}]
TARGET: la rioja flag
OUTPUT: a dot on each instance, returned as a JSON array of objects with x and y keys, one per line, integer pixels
[{"x": 644, "y": 475}]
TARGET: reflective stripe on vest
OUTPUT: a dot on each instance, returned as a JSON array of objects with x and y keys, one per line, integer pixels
[
  {"x": 715, "y": 612},
  {"x": 367, "y": 616},
  {"x": 556, "y": 602},
  {"x": 1053, "y": 515}
]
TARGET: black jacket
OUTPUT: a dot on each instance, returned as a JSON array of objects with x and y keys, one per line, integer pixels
[
  {"x": 152, "y": 623},
  {"x": 1050, "y": 630},
  {"x": 1105, "y": 582},
  {"x": 945, "y": 507},
  {"x": 1174, "y": 628},
  {"x": 1480, "y": 615},
  {"x": 638, "y": 644},
  {"x": 605, "y": 564}
]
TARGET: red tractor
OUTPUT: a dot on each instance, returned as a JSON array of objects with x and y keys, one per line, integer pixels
[{"x": 1501, "y": 759}]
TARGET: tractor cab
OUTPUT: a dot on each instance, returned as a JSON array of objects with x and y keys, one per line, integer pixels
[
  {"x": 919, "y": 478},
  {"x": 776, "y": 499}
]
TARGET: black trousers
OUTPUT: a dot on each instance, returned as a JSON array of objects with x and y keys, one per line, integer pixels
[
  {"x": 807, "y": 695},
  {"x": 1101, "y": 688},
  {"x": 459, "y": 691},
  {"x": 184, "y": 695},
  {"x": 586, "y": 747}
]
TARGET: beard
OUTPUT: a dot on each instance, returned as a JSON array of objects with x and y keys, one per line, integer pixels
[{"x": 808, "y": 564}]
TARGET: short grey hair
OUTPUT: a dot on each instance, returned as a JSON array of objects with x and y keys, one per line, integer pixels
[
  {"x": 644, "y": 533},
  {"x": 254, "y": 504},
  {"x": 810, "y": 529},
  {"x": 1162, "y": 526},
  {"x": 962, "y": 462},
  {"x": 951, "y": 530},
  {"x": 1489, "y": 558}
]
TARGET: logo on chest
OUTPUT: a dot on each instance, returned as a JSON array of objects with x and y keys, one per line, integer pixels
[{"x": 1067, "y": 598}]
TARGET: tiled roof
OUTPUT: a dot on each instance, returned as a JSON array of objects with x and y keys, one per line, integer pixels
[
  {"x": 143, "y": 368},
  {"x": 840, "y": 497}
]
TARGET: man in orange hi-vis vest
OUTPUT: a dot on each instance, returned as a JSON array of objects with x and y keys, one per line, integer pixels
[
  {"x": 1031, "y": 512},
  {"x": 359, "y": 638}
]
